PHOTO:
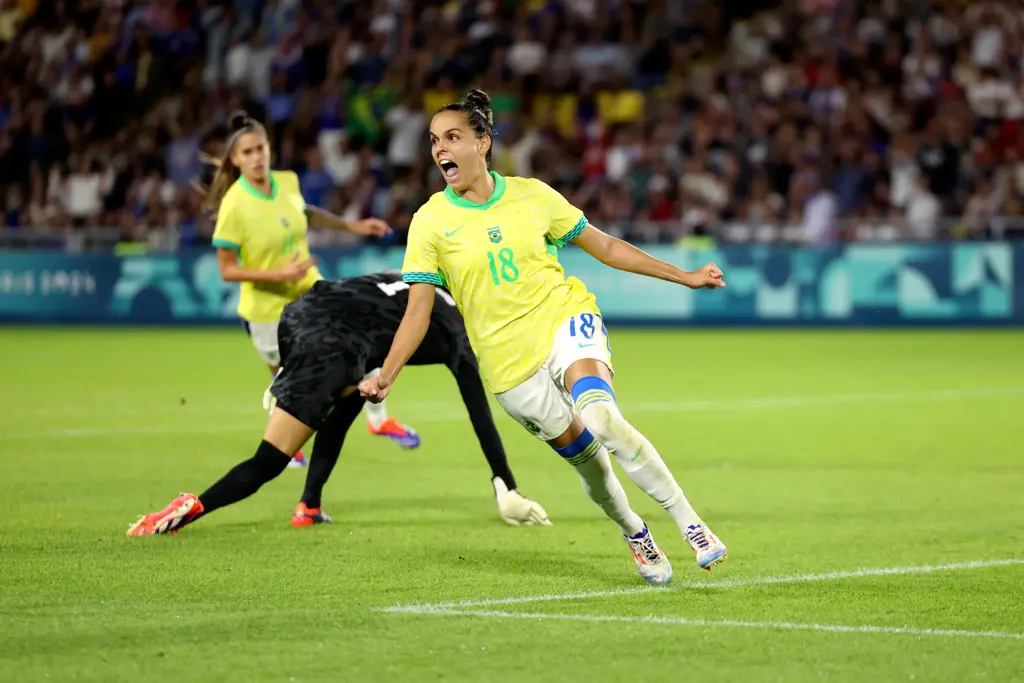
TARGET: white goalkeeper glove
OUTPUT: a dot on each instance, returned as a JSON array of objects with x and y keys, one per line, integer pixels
[
  {"x": 517, "y": 510},
  {"x": 269, "y": 400}
]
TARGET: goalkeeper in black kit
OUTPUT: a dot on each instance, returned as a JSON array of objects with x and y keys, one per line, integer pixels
[{"x": 329, "y": 338}]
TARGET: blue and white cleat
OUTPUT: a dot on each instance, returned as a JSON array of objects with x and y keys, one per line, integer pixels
[
  {"x": 651, "y": 563},
  {"x": 403, "y": 435},
  {"x": 709, "y": 550}
]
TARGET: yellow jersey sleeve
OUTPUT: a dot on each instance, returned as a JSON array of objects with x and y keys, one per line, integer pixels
[
  {"x": 421, "y": 262},
  {"x": 229, "y": 232},
  {"x": 566, "y": 222}
]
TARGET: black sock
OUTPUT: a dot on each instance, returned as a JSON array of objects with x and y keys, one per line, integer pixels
[
  {"x": 245, "y": 478},
  {"x": 327, "y": 448},
  {"x": 321, "y": 464}
]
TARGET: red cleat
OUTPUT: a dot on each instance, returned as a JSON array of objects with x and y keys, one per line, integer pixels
[
  {"x": 298, "y": 461},
  {"x": 305, "y": 516},
  {"x": 182, "y": 510},
  {"x": 404, "y": 436}
]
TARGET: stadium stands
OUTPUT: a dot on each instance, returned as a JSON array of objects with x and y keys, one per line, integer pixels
[{"x": 816, "y": 121}]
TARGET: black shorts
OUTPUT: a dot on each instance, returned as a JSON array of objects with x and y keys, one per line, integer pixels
[
  {"x": 320, "y": 357},
  {"x": 335, "y": 333}
]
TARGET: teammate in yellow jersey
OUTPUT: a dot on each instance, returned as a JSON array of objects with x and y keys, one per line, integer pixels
[
  {"x": 260, "y": 238},
  {"x": 542, "y": 346}
]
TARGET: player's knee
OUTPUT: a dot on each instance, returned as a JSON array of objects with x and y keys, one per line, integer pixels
[
  {"x": 600, "y": 420},
  {"x": 269, "y": 460},
  {"x": 582, "y": 449},
  {"x": 595, "y": 403},
  {"x": 591, "y": 390}
]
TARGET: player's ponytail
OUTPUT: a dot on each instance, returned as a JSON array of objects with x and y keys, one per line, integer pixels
[
  {"x": 227, "y": 173},
  {"x": 481, "y": 101},
  {"x": 477, "y": 108}
]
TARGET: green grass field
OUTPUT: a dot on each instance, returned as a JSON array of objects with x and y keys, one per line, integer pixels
[{"x": 811, "y": 454}]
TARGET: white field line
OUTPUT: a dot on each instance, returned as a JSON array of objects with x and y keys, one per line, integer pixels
[
  {"x": 424, "y": 413},
  {"x": 429, "y": 608},
  {"x": 731, "y": 623}
]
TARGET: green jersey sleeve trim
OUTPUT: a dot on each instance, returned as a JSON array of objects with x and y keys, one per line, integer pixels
[
  {"x": 425, "y": 278},
  {"x": 576, "y": 231},
  {"x": 226, "y": 244}
]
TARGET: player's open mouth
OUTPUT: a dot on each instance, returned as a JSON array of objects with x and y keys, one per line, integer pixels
[{"x": 449, "y": 168}]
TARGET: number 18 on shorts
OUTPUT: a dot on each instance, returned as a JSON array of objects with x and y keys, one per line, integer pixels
[
  {"x": 587, "y": 330},
  {"x": 541, "y": 404}
]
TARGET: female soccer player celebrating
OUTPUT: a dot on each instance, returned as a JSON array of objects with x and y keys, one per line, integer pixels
[
  {"x": 260, "y": 238},
  {"x": 542, "y": 346}
]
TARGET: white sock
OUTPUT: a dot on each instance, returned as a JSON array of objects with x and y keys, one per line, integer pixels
[
  {"x": 600, "y": 483},
  {"x": 640, "y": 460},
  {"x": 376, "y": 413}
]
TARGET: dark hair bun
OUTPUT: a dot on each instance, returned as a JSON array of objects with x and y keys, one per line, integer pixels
[
  {"x": 239, "y": 120},
  {"x": 480, "y": 100}
]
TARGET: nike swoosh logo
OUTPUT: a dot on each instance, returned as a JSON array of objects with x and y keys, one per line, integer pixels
[
  {"x": 449, "y": 233},
  {"x": 637, "y": 454},
  {"x": 585, "y": 346}
]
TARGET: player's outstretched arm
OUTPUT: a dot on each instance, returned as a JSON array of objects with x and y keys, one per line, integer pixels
[
  {"x": 232, "y": 271},
  {"x": 474, "y": 396},
  {"x": 368, "y": 227},
  {"x": 624, "y": 256},
  {"x": 410, "y": 334},
  {"x": 514, "y": 508}
]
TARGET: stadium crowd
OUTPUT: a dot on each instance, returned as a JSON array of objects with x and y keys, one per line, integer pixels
[{"x": 658, "y": 117}]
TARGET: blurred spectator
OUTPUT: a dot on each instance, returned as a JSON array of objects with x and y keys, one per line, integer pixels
[
  {"x": 315, "y": 181},
  {"x": 819, "y": 210},
  {"x": 83, "y": 190},
  {"x": 984, "y": 204},
  {"x": 407, "y": 128},
  {"x": 657, "y": 117},
  {"x": 923, "y": 211},
  {"x": 341, "y": 161}
]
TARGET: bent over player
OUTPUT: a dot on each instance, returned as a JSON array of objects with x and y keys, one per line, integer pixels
[{"x": 328, "y": 339}]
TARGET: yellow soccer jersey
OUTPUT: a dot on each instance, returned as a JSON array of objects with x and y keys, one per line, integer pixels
[
  {"x": 266, "y": 231},
  {"x": 496, "y": 260}
]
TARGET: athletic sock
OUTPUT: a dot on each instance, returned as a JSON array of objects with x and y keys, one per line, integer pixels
[
  {"x": 245, "y": 478},
  {"x": 590, "y": 460},
  {"x": 376, "y": 413},
  {"x": 327, "y": 447},
  {"x": 637, "y": 456}
]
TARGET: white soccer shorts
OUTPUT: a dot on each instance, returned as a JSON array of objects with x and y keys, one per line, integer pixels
[
  {"x": 541, "y": 404},
  {"x": 264, "y": 338}
]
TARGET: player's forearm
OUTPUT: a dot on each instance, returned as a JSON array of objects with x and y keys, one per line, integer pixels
[
  {"x": 474, "y": 396},
  {"x": 318, "y": 218},
  {"x": 411, "y": 330},
  {"x": 624, "y": 256},
  {"x": 410, "y": 335},
  {"x": 239, "y": 274}
]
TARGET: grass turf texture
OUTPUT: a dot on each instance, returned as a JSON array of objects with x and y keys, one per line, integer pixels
[{"x": 806, "y": 452}]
